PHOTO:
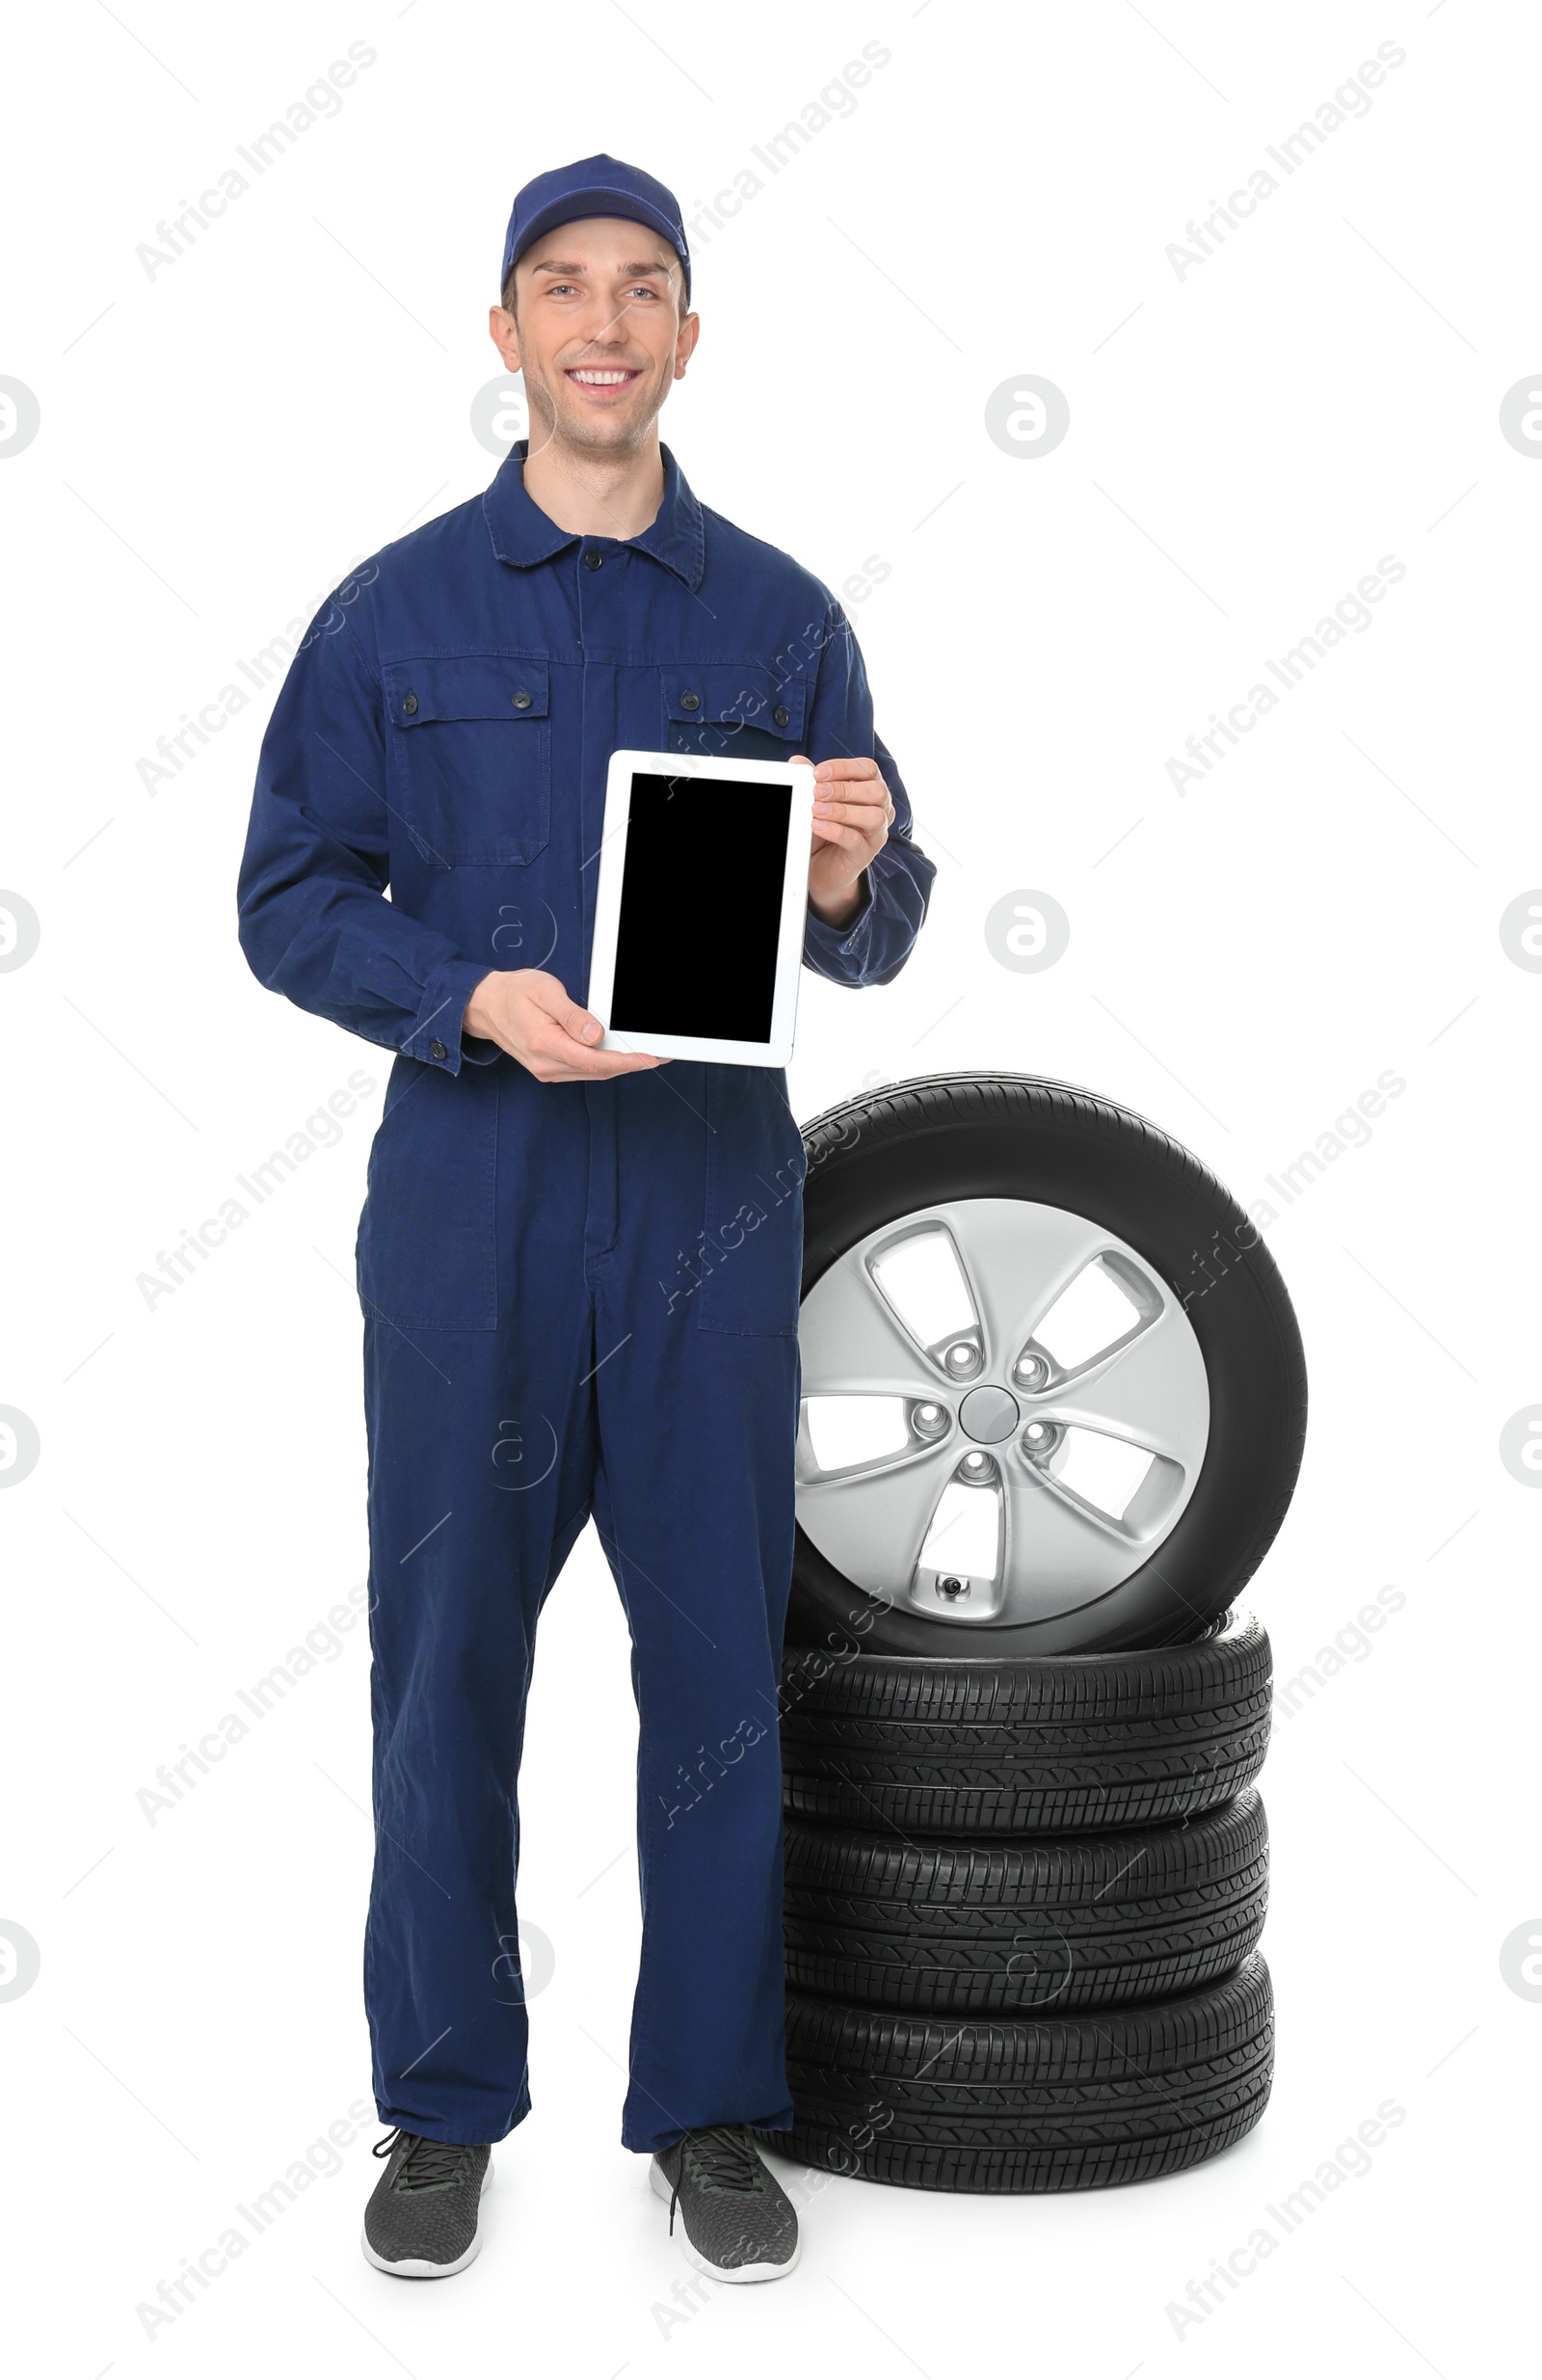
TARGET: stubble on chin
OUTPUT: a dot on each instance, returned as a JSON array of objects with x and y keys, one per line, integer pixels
[{"x": 555, "y": 420}]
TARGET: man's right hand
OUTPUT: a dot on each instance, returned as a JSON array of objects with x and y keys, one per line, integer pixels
[{"x": 528, "y": 1014}]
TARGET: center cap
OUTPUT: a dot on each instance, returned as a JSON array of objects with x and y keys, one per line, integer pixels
[{"x": 989, "y": 1415}]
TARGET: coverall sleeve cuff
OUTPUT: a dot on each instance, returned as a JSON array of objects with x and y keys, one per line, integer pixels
[
  {"x": 834, "y": 945},
  {"x": 435, "y": 1034}
]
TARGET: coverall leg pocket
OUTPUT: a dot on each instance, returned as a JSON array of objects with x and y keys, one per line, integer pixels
[
  {"x": 752, "y": 1241},
  {"x": 427, "y": 1250}
]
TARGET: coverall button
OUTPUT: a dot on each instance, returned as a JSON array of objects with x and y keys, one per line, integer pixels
[
  {"x": 410, "y": 705},
  {"x": 781, "y": 714},
  {"x": 592, "y": 560},
  {"x": 436, "y": 1049},
  {"x": 522, "y": 701},
  {"x": 690, "y": 701}
]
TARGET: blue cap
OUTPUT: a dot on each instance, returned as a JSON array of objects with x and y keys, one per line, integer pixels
[{"x": 594, "y": 186}]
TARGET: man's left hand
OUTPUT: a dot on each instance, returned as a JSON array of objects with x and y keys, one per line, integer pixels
[{"x": 852, "y": 815}]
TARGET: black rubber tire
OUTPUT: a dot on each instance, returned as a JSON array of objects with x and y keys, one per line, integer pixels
[
  {"x": 1021, "y": 2103},
  {"x": 875, "y": 1159},
  {"x": 1054, "y": 1746},
  {"x": 1043, "y": 1926}
]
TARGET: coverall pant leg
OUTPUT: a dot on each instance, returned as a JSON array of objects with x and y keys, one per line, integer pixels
[{"x": 597, "y": 1391}]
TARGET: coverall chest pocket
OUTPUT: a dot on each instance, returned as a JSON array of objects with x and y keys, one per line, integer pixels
[
  {"x": 752, "y": 1252},
  {"x": 470, "y": 742},
  {"x": 733, "y": 711}
]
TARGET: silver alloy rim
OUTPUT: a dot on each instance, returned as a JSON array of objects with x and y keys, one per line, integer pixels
[{"x": 991, "y": 1410}]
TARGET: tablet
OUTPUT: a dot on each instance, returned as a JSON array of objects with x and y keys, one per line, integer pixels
[{"x": 698, "y": 917}]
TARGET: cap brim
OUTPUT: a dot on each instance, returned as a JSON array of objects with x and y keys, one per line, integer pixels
[{"x": 577, "y": 207}]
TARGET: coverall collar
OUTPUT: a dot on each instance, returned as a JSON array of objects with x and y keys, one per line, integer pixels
[{"x": 523, "y": 534}]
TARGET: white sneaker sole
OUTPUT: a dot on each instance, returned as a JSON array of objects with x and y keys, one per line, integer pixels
[
  {"x": 660, "y": 2183},
  {"x": 417, "y": 2268}
]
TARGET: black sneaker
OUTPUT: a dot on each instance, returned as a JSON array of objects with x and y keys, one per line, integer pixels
[
  {"x": 422, "y": 2219},
  {"x": 739, "y": 2223}
]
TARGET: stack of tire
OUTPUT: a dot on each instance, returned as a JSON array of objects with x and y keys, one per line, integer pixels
[{"x": 1027, "y": 1863}]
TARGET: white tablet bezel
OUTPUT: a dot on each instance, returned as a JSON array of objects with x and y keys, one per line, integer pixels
[{"x": 777, "y": 1049}]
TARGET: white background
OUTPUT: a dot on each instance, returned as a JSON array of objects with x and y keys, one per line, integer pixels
[{"x": 217, "y": 443}]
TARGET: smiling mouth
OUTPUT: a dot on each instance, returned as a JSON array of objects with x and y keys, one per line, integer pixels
[{"x": 602, "y": 376}]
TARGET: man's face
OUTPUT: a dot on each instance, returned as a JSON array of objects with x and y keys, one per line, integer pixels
[{"x": 597, "y": 331}]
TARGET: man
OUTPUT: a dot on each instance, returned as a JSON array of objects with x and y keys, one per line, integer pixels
[{"x": 580, "y": 1269}]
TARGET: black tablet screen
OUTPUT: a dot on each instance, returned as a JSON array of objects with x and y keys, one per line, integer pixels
[{"x": 700, "y": 907}]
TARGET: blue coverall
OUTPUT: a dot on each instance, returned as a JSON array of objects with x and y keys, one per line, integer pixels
[{"x": 578, "y": 1298}]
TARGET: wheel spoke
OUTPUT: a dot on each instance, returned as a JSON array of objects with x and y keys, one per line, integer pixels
[
  {"x": 872, "y": 1523},
  {"x": 1020, "y": 1258},
  {"x": 1152, "y": 1392},
  {"x": 851, "y": 1342},
  {"x": 1058, "y": 1553}
]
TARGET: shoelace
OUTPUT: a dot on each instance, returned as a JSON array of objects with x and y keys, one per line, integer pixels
[
  {"x": 726, "y": 2159},
  {"x": 428, "y": 2165}
]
